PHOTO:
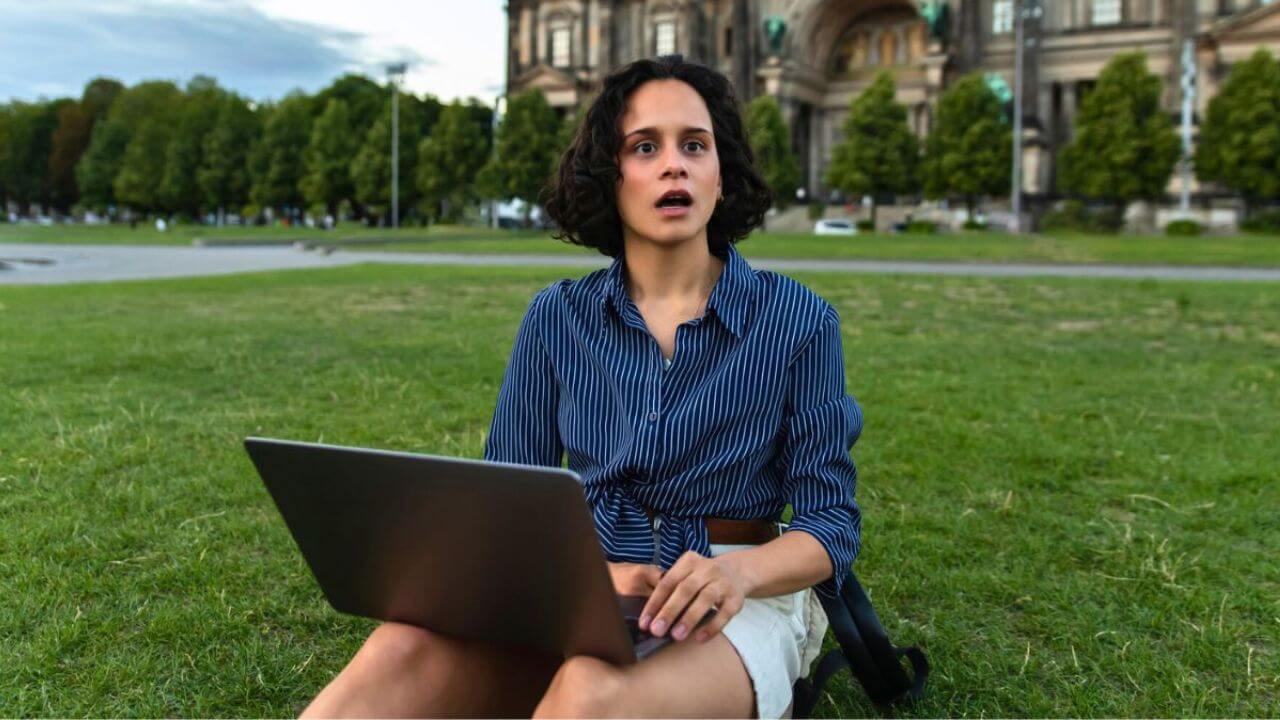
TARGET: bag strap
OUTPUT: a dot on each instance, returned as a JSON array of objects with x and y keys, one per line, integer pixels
[{"x": 866, "y": 650}]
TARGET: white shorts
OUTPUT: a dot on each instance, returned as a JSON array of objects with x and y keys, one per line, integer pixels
[{"x": 778, "y": 638}]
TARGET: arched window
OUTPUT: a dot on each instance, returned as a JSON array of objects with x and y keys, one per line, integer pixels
[
  {"x": 561, "y": 47},
  {"x": 560, "y": 39}
]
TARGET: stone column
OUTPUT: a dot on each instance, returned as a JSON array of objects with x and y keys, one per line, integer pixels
[
  {"x": 818, "y": 134},
  {"x": 968, "y": 36},
  {"x": 1069, "y": 101},
  {"x": 1044, "y": 109}
]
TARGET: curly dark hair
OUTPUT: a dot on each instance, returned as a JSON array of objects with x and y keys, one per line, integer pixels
[{"x": 581, "y": 196}]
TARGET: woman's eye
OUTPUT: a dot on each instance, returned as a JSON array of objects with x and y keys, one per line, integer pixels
[{"x": 646, "y": 147}]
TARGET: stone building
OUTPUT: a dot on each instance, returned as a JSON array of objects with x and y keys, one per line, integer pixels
[{"x": 815, "y": 56}]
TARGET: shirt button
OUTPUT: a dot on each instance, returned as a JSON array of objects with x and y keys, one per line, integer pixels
[{"x": 653, "y": 417}]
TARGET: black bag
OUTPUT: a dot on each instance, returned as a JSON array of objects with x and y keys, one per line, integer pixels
[{"x": 866, "y": 650}]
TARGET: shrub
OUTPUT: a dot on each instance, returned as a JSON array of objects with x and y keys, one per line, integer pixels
[
  {"x": 1183, "y": 228},
  {"x": 817, "y": 210},
  {"x": 1074, "y": 215},
  {"x": 866, "y": 226},
  {"x": 974, "y": 225},
  {"x": 921, "y": 227},
  {"x": 1267, "y": 221}
]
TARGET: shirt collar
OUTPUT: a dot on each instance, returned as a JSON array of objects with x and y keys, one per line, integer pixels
[{"x": 730, "y": 299}]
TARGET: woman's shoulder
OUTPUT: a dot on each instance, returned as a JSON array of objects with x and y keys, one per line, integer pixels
[
  {"x": 565, "y": 294},
  {"x": 787, "y": 300}
]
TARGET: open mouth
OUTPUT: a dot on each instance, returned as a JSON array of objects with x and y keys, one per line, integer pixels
[{"x": 674, "y": 203}]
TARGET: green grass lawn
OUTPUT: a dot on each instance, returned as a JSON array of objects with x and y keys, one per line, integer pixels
[
  {"x": 1239, "y": 250},
  {"x": 1069, "y": 486}
]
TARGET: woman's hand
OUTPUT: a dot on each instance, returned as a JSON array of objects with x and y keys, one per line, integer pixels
[
  {"x": 634, "y": 578},
  {"x": 691, "y": 588}
]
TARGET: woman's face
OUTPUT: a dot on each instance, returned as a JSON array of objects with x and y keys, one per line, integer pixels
[{"x": 667, "y": 147}]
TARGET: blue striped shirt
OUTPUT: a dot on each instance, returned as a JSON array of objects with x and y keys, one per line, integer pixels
[{"x": 751, "y": 415}]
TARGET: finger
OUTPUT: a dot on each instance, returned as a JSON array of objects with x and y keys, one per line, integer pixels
[
  {"x": 709, "y": 597},
  {"x": 652, "y": 575},
  {"x": 662, "y": 590},
  {"x": 724, "y": 613},
  {"x": 680, "y": 599}
]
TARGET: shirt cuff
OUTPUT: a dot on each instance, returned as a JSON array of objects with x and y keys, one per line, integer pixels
[{"x": 839, "y": 534}]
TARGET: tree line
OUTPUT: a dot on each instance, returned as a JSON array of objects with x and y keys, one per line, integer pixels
[
  {"x": 155, "y": 148},
  {"x": 1124, "y": 147}
]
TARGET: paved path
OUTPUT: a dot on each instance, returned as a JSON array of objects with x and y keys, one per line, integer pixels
[{"x": 26, "y": 264}]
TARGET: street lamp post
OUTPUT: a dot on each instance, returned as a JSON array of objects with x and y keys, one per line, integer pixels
[
  {"x": 1188, "y": 106},
  {"x": 1025, "y": 9},
  {"x": 395, "y": 74},
  {"x": 499, "y": 109}
]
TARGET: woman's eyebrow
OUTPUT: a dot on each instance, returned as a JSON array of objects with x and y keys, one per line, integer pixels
[{"x": 654, "y": 131}]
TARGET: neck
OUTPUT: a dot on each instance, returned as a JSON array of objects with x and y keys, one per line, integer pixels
[{"x": 677, "y": 273}]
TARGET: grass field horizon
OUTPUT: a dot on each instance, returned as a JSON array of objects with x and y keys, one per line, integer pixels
[
  {"x": 1069, "y": 486},
  {"x": 1243, "y": 250}
]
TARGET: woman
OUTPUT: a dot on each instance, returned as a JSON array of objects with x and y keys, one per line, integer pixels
[{"x": 696, "y": 398}]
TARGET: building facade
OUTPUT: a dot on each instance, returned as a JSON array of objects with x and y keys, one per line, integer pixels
[{"x": 815, "y": 56}]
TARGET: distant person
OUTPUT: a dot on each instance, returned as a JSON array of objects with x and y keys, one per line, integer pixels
[{"x": 692, "y": 394}]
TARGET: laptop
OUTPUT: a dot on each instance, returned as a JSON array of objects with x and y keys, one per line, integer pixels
[{"x": 502, "y": 553}]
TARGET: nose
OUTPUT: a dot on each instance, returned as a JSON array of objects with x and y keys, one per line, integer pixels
[{"x": 673, "y": 164}]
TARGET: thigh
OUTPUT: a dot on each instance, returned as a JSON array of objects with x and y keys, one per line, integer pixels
[
  {"x": 484, "y": 680},
  {"x": 690, "y": 679},
  {"x": 407, "y": 671}
]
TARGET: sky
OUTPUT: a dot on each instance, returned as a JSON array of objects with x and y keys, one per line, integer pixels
[{"x": 262, "y": 49}]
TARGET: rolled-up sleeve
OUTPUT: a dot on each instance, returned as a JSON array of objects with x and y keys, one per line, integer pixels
[
  {"x": 524, "y": 428},
  {"x": 821, "y": 426}
]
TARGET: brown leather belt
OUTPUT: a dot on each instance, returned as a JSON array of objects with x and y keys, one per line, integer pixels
[{"x": 723, "y": 531}]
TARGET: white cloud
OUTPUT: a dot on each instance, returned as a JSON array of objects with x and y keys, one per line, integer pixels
[
  {"x": 262, "y": 48},
  {"x": 455, "y": 48}
]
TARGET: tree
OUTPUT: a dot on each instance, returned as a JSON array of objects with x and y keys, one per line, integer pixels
[
  {"x": 363, "y": 97},
  {"x": 197, "y": 112},
  {"x": 371, "y": 167},
  {"x": 99, "y": 95},
  {"x": 879, "y": 154},
  {"x": 771, "y": 144},
  {"x": 569, "y": 127},
  {"x": 1125, "y": 146},
  {"x": 70, "y": 140},
  {"x": 328, "y": 158},
  {"x": 101, "y": 163},
  {"x": 223, "y": 176},
  {"x": 1240, "y": 139},
  {"x": 137, "y": 185},
  {"x": 278, "y": 163},
  {"x": 527, "y": 150},
  {"x": 448, "y": 161},
  {"x": 968, "y": 152},
  {"x": 96, "y": 171},
  {"x": 28, "y": 139},
  {"x": 6, "y": 123}
]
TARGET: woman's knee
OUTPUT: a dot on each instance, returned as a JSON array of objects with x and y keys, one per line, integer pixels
[
  {"x": 401, "y": 645},
  {"x": 583, "y": 687}
]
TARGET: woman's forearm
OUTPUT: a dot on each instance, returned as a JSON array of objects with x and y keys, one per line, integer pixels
[{"x": 783, "y": 565}]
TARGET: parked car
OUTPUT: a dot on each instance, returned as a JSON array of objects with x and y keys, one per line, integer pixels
[{"x": 832, "y": 226}]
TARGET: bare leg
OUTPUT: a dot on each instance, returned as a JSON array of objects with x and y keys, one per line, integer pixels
[
  {"x": 405, "y": 671},
  {"x": 686, "y": 680}
]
